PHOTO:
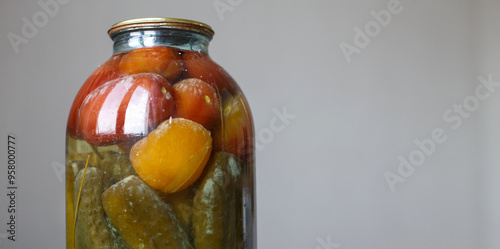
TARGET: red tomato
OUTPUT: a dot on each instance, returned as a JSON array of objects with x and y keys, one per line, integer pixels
[
  {"x": 104, "y": 73},
  {"x": 196, "y": 100},
  {"x": 125, "y": 108},
  {"x": 161, "y": 60},
  {"x": 199, "y": 65}
]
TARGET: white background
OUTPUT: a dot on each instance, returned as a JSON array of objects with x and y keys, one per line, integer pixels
[{"x": 320, "y": 179}]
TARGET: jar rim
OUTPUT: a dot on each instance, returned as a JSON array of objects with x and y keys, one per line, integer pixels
[{"x": 160, "y": 22}]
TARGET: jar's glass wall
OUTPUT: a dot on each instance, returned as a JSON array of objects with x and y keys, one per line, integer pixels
[
  {"x": 159, "y": 149},
  {"x": 183, "y": 40}
]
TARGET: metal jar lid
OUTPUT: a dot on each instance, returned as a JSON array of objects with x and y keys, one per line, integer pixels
[{"x": 159, "y": 23}]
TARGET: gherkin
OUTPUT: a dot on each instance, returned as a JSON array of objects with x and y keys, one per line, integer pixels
[
  {"x": 215, "y": 222},
  {"x": 92, "y": 231},
  {"x": 141, "y": 218}
]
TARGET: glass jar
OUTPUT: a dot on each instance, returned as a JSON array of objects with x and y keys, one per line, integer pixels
[{"x": 160, "y": 146}]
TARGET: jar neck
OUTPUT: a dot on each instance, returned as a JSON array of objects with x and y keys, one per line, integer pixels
[{"x": 180, "y": 39}]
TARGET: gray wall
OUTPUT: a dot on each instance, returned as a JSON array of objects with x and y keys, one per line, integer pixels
[{"x": 321, "y": 176}]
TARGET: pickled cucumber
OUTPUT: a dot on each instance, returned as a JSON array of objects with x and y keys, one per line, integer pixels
[
  {"x": 91, "y": 228},
  {"x": 117, "y": 239},
  {"x": 141, "y": 218},
  {"x": 115, "y": 167},
  {"x": 214, "y": 209},
  {"x": 182, "y": 206},
  {"x": 235, "y": 218}
]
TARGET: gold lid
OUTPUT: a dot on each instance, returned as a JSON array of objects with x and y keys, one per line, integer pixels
[{"x": 161, "y": 22}]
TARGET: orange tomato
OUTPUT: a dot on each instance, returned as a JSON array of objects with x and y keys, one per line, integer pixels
[
  {"x": 234, "y": 135},
  {"x": 172, "y": 157},
  {"x": 125, "y": 108}
]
